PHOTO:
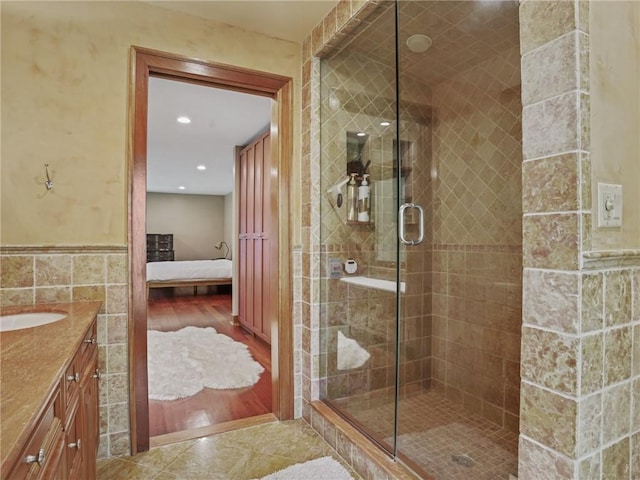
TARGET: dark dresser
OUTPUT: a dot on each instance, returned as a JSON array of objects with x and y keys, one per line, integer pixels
[{"x": 159, "y": 247}]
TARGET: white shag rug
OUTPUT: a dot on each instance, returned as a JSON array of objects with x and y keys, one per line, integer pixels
[
  {"x": 324, "y": 468},
  {"x": 182, "y": 363},
  {"x": 350, "y": 353}
]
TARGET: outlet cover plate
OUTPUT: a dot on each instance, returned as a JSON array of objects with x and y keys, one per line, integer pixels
[{"x": 334, "y": 268}]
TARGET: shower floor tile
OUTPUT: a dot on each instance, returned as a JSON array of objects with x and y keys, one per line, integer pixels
[{"x": 444, "y": 440}]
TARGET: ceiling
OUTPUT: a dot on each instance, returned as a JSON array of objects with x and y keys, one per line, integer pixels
[
  {"x": 221, "y": 119},
  {"x": 463, "y": 34},
  {"x": 287, "y": 19}
]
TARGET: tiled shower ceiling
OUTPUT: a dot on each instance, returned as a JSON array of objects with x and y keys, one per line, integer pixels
[{"x": 464, "y": 33}]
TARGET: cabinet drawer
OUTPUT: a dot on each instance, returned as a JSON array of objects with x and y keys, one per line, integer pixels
[
  {"x": 74, "y": 373},
  {"x": 157, "y": 241},
  {"x": 160, "y": 256},
  {"x": 160, "y": 246},
  {"x": 42, "y": 450},
  {"x": 74, "y": 443},
  {"x": 71, "y": 380},
  {"x": 89, "y": 344}
]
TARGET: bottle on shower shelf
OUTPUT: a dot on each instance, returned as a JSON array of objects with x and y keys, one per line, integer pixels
[
  {"x": 352, "y": 199},
  {"x": 364, "y": 199}
]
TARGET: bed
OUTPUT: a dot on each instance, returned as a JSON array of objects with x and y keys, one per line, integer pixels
[{"x": 188, "y": 273}]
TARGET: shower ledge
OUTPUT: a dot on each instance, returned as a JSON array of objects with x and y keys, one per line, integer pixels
[{"x": 375, "y": 283}]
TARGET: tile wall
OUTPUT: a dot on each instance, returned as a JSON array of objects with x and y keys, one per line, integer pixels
[
  {"x": 33, "y": 275},
  {"x": 477, "y": 266}
]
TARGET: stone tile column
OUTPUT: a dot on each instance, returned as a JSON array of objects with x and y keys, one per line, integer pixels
[{"x": 578, "y": 383}]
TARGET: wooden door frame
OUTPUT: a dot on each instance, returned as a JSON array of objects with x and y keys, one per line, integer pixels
[{"x": 143, "y": 63}]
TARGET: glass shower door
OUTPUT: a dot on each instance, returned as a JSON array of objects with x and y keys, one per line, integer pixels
[
  {"x": 460, "y": 157},
  {"x": 360, "y": 190}
]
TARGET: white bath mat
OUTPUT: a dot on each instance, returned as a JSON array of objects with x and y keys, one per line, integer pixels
[
  {"x": 324, "y": 468},
  {"x": 350, "y": 353},
  {"x": 182, "y": 363}
]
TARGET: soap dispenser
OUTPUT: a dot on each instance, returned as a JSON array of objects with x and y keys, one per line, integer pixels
[
  {"x": 352, "y": 199},
  {"x": 364, "y": 199}
]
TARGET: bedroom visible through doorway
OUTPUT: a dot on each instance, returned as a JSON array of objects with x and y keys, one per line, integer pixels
[{"x": 194, "y": 258}]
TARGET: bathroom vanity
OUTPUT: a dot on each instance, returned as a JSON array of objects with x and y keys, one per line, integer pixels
[{"x": 49, "y": 407}]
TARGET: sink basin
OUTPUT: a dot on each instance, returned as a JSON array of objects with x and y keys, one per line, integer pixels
[{"x": 27, "y": 320}]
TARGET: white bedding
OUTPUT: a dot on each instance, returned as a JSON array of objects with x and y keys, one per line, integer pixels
[{"x": 189, "y": 270}]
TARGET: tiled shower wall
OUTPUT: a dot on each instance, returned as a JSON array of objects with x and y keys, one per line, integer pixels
[
  {"x": 477, "y": 266},
  {"x": 33, "y": 275}
]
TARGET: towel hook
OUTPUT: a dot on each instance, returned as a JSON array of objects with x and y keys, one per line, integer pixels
[{"x": 48, "y": 183}]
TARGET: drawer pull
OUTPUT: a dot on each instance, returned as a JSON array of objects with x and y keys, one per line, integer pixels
[
  {"x": 97, "y": 374},
  {"x": 90, "y": 341},
  {"x": 39, "y": 459},
  {"x": 73, "y": 378},
  {"x": 75, "y": 445}
]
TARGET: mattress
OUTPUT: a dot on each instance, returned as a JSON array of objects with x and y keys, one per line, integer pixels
[{"x": 189, "y": 270}]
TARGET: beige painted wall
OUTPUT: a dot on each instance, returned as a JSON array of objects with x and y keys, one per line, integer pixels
[
  {"x": 615, "y": 114},
  {"x": 197, "y": 222},
  {"x": 65, "y": 71}
]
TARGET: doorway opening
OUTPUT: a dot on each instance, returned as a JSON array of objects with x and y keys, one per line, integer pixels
[
  {"x": 145, "y": 64},
  {"x": 206, "y": 364}
]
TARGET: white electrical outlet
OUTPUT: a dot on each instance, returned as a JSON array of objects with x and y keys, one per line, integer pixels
[{"x": 609, "y": 205}]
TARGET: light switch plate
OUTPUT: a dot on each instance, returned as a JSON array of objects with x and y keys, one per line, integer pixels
[{"x": 609, "y": 205}]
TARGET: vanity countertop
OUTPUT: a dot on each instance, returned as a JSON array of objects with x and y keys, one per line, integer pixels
[{"x": 32, "y": 363}]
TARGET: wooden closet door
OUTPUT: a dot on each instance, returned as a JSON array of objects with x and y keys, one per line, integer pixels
[
  {"x": 242, "y": 240},
  {"x": 250, "y": 255},
  {"x": 257, "y": 237},
  {"x": 254, "y": 238},
  {"x": 266, "y": 240}
]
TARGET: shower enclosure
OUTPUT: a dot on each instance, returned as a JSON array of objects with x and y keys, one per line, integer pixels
[{"x": 420, "y": 345}]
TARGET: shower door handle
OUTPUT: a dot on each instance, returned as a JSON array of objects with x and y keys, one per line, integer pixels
[{"x": 401, "y": 225}]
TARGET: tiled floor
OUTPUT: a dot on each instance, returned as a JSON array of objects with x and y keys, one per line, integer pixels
[
  {"x": 238, "y": 455},
  {"x": 433, "y": 430}
]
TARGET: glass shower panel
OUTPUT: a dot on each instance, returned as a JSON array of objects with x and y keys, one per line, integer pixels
[
  {"x": 421, "y": 311},
  {"x": 460, "y": 316},
  {"x": 358, "y": 318}
]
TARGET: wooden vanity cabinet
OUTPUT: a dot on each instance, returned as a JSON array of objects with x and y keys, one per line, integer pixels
[{"x": 64, "y": 443}]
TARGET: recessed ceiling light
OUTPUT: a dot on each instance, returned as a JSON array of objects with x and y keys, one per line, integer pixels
[
  {"x": 184, "y": 119},
  {"x": 181, "y": 187},
  {"x": 361, "y": 134},
  {"x": 201, "y": 167},
  {"x": 385, "y": 124}
]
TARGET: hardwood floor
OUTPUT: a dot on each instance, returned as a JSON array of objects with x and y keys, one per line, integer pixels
[{"x": 208, "y": 407}]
